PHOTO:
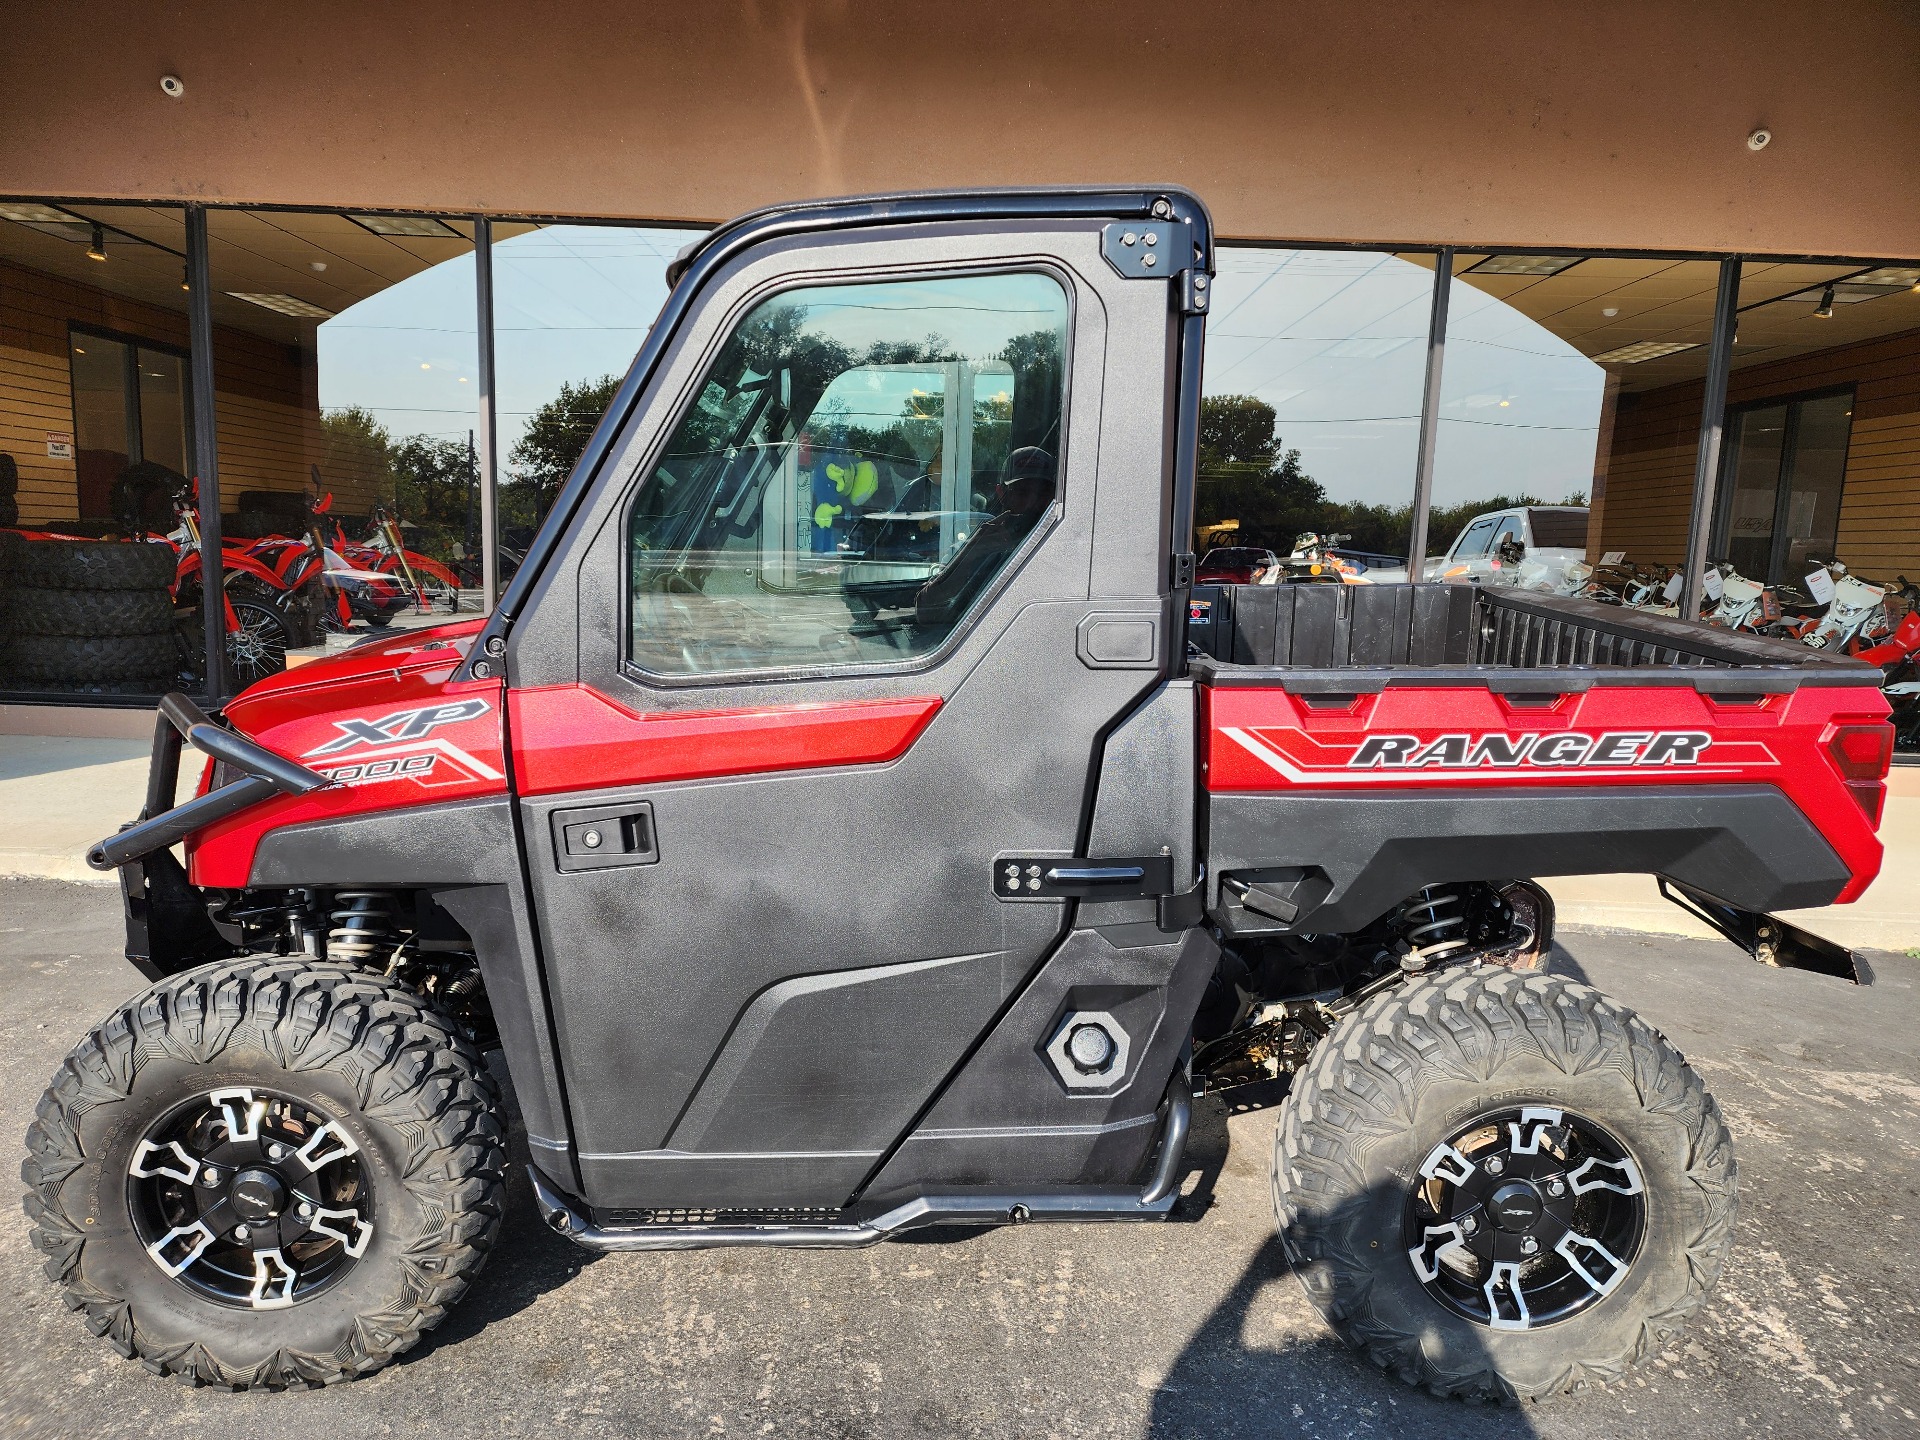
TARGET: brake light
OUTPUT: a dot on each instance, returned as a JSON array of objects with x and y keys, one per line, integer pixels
[
  {"x": 1871, "y": 796},
  {"x": 1862, "y": 752}
]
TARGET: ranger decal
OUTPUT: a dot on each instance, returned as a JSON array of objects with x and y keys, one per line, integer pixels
[{"x": 1562, "y": 748}]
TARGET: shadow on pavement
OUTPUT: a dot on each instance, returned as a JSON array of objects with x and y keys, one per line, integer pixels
[{"x": 1225, "y": 1382}]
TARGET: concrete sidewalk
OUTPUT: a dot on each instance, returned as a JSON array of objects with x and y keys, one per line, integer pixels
[{"x": 60, "y": 795}]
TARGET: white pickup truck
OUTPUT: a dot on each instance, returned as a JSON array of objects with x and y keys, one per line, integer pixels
[{"x": 1550, "y": 537}]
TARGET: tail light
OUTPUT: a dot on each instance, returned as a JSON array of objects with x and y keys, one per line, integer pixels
[{"x": 1862, "y": 753}]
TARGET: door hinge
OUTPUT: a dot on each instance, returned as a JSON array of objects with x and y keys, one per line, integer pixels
[
  {"x": 1159, "y": 250},
  {"x": 1180, "y": 573}
]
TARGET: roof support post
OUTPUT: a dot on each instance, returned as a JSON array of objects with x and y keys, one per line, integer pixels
[
  {"x": 206, "y": 463},
  {"x": 486, "y": 433},
  {"x": 1713, "y": 424},
  {"x": 1430, "y": 414}
]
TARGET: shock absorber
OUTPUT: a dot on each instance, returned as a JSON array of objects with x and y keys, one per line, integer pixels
[
  {"x": 1433, "y": 922},
  {"x": 362, "y": 926}
]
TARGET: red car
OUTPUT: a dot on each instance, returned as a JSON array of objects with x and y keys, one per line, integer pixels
[{"x": 1233, "y": 565}]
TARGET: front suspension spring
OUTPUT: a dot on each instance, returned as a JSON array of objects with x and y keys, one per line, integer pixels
[{"x": 362, "y": 925}]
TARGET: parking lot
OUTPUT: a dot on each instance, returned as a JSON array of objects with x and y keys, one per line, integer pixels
[{"x": 1192, "y": 1328}]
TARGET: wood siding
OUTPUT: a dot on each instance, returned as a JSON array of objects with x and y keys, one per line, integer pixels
[
  {"x": 1650, "y": 473},
  {"x": 266, "y": 400}
]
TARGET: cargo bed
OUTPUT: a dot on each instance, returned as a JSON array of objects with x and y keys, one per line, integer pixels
[
  {"x": 1358, "y": 738},
  {"x": 1359, "y": 638}
]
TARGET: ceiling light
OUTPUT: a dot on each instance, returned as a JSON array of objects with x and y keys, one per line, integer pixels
[
  {"x": 1893, "y": 277},
  {"x": 1646, "y": 350},
  {"x": 284, "y": 305},
  {"x": 1524, "y": 265},
  {"x": 1825, "y": 309},
  {"x": 35, "y": 214},
  {"x": 97, "y": 247},
  {"x": 418, "y": 227},
  {"x": 1611, "y": 311},
  {"x": 186, "y": 277}
]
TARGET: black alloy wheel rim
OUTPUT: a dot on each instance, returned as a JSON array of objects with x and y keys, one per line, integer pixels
[
  {"x": 250, "y": 1198},
  {"x": 1525, "y": 1217}
]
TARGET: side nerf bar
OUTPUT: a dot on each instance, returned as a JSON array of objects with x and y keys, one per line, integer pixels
[{"x": 162, "y": 823}]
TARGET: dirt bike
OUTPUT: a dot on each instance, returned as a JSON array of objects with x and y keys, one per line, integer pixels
[{"x": 433, "y": 584}]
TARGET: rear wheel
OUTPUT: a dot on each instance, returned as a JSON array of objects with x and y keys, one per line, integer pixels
[
  {"x": 1502, "y": 1185},
  {"x": 267, "y": 1173}
]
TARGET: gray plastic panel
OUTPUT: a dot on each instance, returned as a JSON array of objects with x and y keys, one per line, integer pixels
[
  {"x": 1747, "y": 844},
  {"x": 1006, "y": 1119},
  {"x": 842, "y": 1061},
  {"x": 1146, "y": 796}
]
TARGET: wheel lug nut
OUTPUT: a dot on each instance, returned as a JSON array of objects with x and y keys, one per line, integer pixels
[
  {"x": 209, "y": 1176},
  {"x": 305, "y": 1209},
  {"x": 239, "y": 1232},
  {"x": 1468, "y": 1225},
  {"x": 274, "y": 1152},
  {"x": 1529, "y": 1245},
  {"x": 1554, "y": 1187},
  {"x": 1495, "y": 1165}
]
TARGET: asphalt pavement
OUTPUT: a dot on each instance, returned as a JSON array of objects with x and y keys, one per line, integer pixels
[{"x": 1190, "y": 1328}]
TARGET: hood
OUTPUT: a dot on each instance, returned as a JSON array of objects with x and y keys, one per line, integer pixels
[
  {"x": 387, "y": 724},
  {"x": 440, "y": 647}
]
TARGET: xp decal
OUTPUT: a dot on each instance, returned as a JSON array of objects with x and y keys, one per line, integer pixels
[{"x": 401, "y": 725}]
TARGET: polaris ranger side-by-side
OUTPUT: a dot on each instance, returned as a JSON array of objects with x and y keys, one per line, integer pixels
[{"x": 853, "y": 818}]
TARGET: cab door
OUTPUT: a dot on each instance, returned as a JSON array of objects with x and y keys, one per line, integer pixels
[{"x": 830, "y": 637}]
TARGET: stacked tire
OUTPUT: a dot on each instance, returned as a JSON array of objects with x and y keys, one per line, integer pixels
[{"x": 92, "y": 616}]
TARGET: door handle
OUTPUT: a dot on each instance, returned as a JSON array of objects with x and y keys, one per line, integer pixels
[{"x": 599, "y": 837}]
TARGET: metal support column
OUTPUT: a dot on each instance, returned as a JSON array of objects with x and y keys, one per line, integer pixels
[
  {"x": 206, "y": 463},
  {"x": 1430, "y": 414},
  {"x": 486, "y": 437},
  {"x": 1713, "y": 424}
]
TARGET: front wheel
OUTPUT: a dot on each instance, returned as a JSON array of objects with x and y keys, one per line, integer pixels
[
  {"x": 1502, "y": 1186},
  {"x": 267, "y": 1173}
]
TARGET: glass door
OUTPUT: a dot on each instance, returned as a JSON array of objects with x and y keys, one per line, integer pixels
[
  {"x": 129, "y": 405},
  {"x": 1780, "y": 487}
]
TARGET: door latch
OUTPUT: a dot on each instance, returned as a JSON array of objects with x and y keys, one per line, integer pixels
[
  {"x": 1034, "y": 877},
  {"x": 603, "y": 836}
]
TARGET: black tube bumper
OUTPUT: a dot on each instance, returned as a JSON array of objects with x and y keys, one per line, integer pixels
[{"x": 167, "y": 924}]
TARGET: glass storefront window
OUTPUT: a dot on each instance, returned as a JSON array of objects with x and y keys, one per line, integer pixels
[
  {"x": 93, "y": 404},
  {"x": 1785, "y": 469},
  {"x": 572, "y": 304},
  {"x": 346, "y": 376},
  {"x": 1310, "y": 419}
]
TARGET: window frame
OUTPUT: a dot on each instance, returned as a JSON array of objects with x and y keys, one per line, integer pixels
[
  {"x": 130, "y": 388},
  {"x": 969, "y": 620}
]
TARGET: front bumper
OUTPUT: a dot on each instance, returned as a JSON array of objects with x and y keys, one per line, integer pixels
[{"x": 167, "y": 924}]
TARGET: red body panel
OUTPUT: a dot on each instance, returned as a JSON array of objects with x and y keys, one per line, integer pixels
[
  {"x": 1261, "y": 739},
  {"x": 386, "y": 721},
  {"x": 570, "y": 737}
]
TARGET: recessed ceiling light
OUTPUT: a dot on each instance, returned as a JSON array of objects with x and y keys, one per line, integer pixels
[
  {"x": 37, "y": 214},
  {"x": 284, "y": 305},
  {"x": 418, "y": 227},
  {"x": 1524, "y": 265},
  {"x": 1645, "y": 350},
  {"x": 1894, "y": 277}
]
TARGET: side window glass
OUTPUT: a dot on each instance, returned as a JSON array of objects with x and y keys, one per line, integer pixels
[
  {"x": 861, "y": 462},
  {"x": 1474, "y": 542},
  {"x": 1510, "y": 529}
]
